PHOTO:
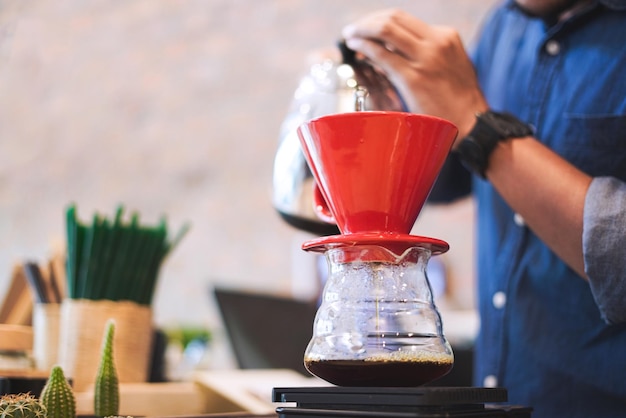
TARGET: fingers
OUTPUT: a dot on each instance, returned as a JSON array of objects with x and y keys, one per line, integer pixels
[
  {"x": 378, "y": 48},
  {"x": 427, "y": 64},
  {"x": 384, "y": 22},
  {"x": 396, "y": 30},
  {"x": 382, "y": 54}
]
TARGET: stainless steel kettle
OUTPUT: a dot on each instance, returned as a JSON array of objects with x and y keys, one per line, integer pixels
[{"x": 330, "y": 87}]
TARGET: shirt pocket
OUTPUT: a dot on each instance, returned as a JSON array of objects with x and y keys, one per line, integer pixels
[{"x": 596, "y": 144}]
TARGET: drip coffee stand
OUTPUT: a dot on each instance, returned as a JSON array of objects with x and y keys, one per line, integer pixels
[{"x": 373, "y": 172}]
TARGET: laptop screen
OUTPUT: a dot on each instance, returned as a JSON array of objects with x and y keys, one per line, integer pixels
[{"x": 266, "y": 331}]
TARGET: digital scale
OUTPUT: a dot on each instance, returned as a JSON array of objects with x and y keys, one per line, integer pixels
[{"x": 395, "y": 402}]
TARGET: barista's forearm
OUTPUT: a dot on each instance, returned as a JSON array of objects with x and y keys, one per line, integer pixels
[{"x": 547, "y": 191}]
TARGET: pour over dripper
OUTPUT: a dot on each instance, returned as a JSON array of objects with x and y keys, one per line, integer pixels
[{"x": 375, "y": 169}]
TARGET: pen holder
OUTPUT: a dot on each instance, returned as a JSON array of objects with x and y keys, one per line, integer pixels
[
  {"x": 46, "y": 320},
  {"x": 83, "y": 324}
]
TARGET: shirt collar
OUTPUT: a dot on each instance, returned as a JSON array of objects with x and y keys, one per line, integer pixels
[
  {"x": 609, "y": 4},
  {"x": 553, "y": 24},
  {"x": 614, "y": 4}
]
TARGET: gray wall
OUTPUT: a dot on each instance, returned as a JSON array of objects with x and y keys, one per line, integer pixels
[{"x": 173, "y": 107}]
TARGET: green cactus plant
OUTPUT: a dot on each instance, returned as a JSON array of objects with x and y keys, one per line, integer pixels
[
  {"x": 23, "y": 405},
  {"x": 106, "y": 393},
  {"x": 57, "y": 396}
]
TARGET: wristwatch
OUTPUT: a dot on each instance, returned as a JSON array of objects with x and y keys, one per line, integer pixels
[{"x": 490, "y": 128}]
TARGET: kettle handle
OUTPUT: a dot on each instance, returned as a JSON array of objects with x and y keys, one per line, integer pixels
[{"x": 348, "y": 56}]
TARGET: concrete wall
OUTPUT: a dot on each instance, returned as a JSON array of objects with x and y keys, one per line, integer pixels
[{"x": 173, "y": 107}]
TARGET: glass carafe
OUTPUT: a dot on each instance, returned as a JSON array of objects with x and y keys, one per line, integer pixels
[{"x": 377, "y": 324}]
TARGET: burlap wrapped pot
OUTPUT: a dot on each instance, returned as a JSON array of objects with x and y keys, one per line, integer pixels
[{"x": 83, "y": 325}]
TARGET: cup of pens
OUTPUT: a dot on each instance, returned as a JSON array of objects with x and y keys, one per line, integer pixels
[
  {"x": 112, "y": 270},
  {"x": 46, "y": 330},
  {"x": 47, "y": 288}
]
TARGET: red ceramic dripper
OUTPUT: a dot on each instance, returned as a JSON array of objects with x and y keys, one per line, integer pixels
[{"x": 374, "y": 170}]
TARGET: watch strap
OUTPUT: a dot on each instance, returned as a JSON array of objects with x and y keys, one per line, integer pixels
[{"x": 491, "y": 127}]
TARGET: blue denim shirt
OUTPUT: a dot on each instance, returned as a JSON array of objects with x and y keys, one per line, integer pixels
[{"x": 554, "y": 340}]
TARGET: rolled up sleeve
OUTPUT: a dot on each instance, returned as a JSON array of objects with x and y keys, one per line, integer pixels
[{"x": 604, "y": 246}]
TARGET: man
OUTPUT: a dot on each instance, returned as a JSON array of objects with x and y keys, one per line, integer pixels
[{"x": 541, "y": 110}]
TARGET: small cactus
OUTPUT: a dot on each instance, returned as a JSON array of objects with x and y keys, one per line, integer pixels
[
  {"x": 57, "y": 396},
  {"x": 106, "y": 393},
  {"x": 23, "y": 405}
]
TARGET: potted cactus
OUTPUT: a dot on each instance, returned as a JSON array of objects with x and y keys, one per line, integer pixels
[
  {"x": 106, "y": 393},
  {"x": 23, "y": 405},
  {"x": 57, "y": 396}
]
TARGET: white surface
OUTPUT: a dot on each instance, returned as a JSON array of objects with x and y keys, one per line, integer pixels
[{"x": 251, "y": 390}]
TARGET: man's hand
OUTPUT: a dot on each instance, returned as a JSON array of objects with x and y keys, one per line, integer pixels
[{"x": 427, "y": 64}]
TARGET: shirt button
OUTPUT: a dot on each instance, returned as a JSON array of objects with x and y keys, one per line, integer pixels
[
  {"x": 490, "y": 381},
  {"x": 553, "y": 47},
  {"x": 498, "y": 300},
  {"x": 519, "y": 220}
]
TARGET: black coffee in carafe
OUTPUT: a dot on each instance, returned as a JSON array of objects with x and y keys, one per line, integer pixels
[{"x": 374, "y": 373}]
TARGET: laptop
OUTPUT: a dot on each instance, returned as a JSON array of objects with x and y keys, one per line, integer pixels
[{"x": 266, "y": 331}]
